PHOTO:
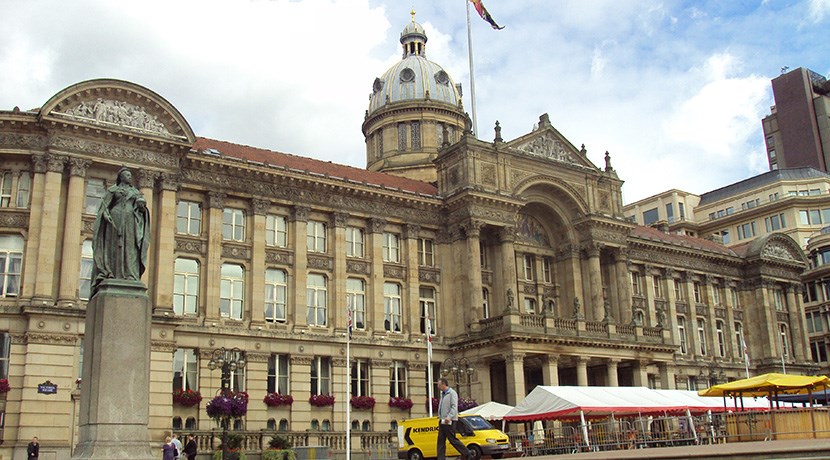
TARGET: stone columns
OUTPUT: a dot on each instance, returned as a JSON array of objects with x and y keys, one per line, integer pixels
[
  {"x": 623, "y": 286},
  {"x": 416, "y": 377},
  {"x": 667, "y": 376},
  {"x": 473, "y": 312},
  {"x": 570, "y": 267},
  {"x": 550, "y": 370},
  {"x": 611, "y": 367},
  {"x": 298, "y": 314},
  {"x": 340, "y": 380},
  {"x": 595, "y": 274},
  {"x": 640, "y": 371},
  {"x": 48, "y": 237},
  {"x": 507, "y": 263},
  {"x": 164, "y": 247},
  {"x": 581, "y": 370},
  {"x": 485, "y": 392},
  {"x": 300, "y": 370},
  {"x": 256, "y": 292},
  {"x": 73, "y": 221},
  {"x": 798, "y": 327},
  {"x": 379, "y": 371},
  {"x": 146, "y": 184},
  {"x": 339, "y": 221},
  {"x": 514, "y": 365},
  {"x": 374, "y": 304},
  {"x": 39, "y": 165},
  {"x": 213, "y": 267}
]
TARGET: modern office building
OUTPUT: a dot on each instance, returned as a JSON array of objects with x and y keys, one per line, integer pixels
[
  {"x": 517, "y": 250},
  {"x": 817, "y": 298},
  {"x": 797, "y": 130}
]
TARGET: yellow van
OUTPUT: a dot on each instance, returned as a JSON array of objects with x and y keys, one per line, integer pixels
[{"x": 418, "y": 438}]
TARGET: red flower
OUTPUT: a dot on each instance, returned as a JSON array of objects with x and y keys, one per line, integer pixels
[
  {"x": 4, "y": 386},
  {"x": 187, "y": 398},
  {"x": 362, "y": 402},
  {"x": 400, "y": 403},
  {"x": 277, "y": 399},
  {"x": 321, "y": 400}
]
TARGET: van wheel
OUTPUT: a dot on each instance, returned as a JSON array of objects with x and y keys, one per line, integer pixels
[
  {"x": 415, "y": 454},
  {"x": 475, "y": 451}
]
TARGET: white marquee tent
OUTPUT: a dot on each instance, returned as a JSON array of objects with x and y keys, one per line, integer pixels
[{"x": 489, "y": 411}]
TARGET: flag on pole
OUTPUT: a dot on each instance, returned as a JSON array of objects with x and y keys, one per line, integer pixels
[
  {"x": 482, "y": 11},
  {"x": 746, "y": 352},
  {"x": 349, "y": 321},
  {"x": 428, "y": 327}
]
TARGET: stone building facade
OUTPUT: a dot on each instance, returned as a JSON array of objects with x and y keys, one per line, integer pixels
[{"x": 518, "y": 251}]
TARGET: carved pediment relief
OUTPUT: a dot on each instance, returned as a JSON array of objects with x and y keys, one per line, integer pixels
[
  {"x": 113, "y": 112},
  {"x": 547, "y": 146},
  {"x": 530, "y": 231},
  {"x": 776, "y": 250}
]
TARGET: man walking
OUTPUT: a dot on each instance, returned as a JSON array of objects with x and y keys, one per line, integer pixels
[
  {"x": 447, "y": 418},
  {"x": 178, "y": 445},
  {"x": 33, "y": 449}
]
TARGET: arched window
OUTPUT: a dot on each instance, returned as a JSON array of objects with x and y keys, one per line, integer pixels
[
  {"x": 355, "y": 425},
  {"x": 177, "y": 423},
  {"x": 283, "y": 425},
  {"x": 367, "y": 426},
  {"x": 190, "y": 423},
  {"x": 271, "y": 424},
  {"x": 326, "y": 425},
  {"x": 315, "y": 425}
]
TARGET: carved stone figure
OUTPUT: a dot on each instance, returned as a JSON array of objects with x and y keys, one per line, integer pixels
[
  {"x": 121, "y": 234},
  {"x": 577, "y": 313},
  {"x": 510, "y": 299},
  {"x": 606, "y": 305}
]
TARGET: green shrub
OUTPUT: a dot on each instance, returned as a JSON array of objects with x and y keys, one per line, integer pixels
[
  {"x": 278, "y": 455},
  {"x": 235, "y": 455},
  {"x": 279, "y": 442}
]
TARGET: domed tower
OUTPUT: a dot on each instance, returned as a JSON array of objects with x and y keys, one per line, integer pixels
[{"x": 410, "y": 108}]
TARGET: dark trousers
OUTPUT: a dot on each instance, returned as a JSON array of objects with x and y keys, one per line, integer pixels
[{"x": 447, "y": 433}]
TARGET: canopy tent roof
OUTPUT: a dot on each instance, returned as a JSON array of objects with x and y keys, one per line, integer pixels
[
  {"x": 819, "y": 397},
  {"x": 490, "y": 410},
  {"x": 767, "y": 384},
  {"x": 562, "y": 402}
]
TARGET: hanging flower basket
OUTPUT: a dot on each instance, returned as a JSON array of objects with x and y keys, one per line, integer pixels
[
  {"x": 4, "y": 386},
  {"x": 187, "y": 398},
  {"x": 434, "y": 403},
  {"x": 362, "y": 402},
  {"x": 277, "y": 399},
  {"x": 400, "y": 403},
  {"x": 465, "y": 404},
  {"x": 321, "y": 400},
  {"x": 226, "y": 406}
]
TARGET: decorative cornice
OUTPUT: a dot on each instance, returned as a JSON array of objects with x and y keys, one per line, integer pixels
[
  {"x": 14, "y": 219},
  {"x": 78, "y": 166},
  {"x": 394, "y": 271},
  {"x": 254, "y": 357},
  {"x": 260, "y": 206},
  {"x": 216, "y": 200},
  {"x": 233, "y": 251},
  {"x": 339, "y": 219},
  {"x": 163, "y": 346},
  {"x": 51, "y": 338},
  {"x": 299, "y": 214},
  {"x": 279, "y": 257},
  {"x": 358, "y": 267},
  {"x": 295, "y": 359},
  {"x": 429, "y": 275},
  {"x": 377, "y": 225},
  {"x": 191, "y": 246},
  {"x": 116, "y": 152},
  {"x": 320, "y": 263},
  {"x": 411, "y": 231},
  {"x": 169, "y": 181},
  {"x": 147, "y": 179}
]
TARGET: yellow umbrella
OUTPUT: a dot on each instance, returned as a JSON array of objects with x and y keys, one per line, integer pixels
[{"x": 767, "y": 384}]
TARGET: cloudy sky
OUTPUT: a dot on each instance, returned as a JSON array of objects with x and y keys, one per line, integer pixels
[{"x": 675, "y": 90}]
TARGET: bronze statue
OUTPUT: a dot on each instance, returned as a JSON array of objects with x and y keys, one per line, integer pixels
[{"x": 121, "y": 235}]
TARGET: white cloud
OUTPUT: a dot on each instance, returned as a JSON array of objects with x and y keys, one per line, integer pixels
[{"x": 818, "y": 9}]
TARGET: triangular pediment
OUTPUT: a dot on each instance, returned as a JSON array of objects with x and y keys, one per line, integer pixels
[
  {"x": 120, "y": 106},
  {"x": 547, "y": 143}
]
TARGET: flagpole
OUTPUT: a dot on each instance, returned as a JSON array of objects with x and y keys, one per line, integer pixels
[
  {"x": 430, "y": 392},
  {"x": 348, "y": 383},
  {"x": 472, "y": 74},
  {"x": 746, "y": 356}
]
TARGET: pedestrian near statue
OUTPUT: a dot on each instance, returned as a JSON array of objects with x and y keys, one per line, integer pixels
[
  {"x": 33, "y": 449},
  {"x": 447, "y": 419},
  {"x": 121, "y": 233}
]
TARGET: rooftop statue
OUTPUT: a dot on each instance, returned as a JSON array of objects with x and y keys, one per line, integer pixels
[{"x": 121, "y": 235}]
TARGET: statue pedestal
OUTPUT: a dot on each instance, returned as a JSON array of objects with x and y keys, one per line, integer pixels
[{"x": 115, "y": 390}]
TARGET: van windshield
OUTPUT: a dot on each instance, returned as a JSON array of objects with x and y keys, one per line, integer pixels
[{"x": 478, "y": 423}]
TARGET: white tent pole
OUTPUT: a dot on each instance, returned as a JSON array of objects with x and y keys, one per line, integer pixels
[
  {"x": 584, "y": 428},
  {"x": 692, "y": 424}
]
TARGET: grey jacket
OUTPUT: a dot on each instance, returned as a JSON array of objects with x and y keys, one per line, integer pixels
[{"x": 448, "y": 406}]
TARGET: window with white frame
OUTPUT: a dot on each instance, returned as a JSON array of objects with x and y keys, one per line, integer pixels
[
  {"x": 316, "y": 300},
  {"x": 85, "y": 281},
  {"x": 697, "y": 292},
  {"x": 701, "y": 337},
  {"x": 276, "y": 293},
  {"x": 95, "y": 190},
  {"x": 547, "y": 272},
  {"x": 658, "y": 287},
  {"x": 678, "y": 290},
  {"x": 716, "y": 295},
  {"x": 321, "y": 375},
  {"x": 485, "y": 301},
  {"x": 391, "y": 248},
  {"x": 397, "y": 380},
  {"x": 233, "y": 224},
  {"x": 426, "y": 256},
  {"x": 721, "y": 338},
  {"x": 735, "y": 299},
  {"x": 234, "y": 379},
  {"x": 636, "y": 284},
  {"x": 278, "y": 374},
  {"x": 315, "y": 236},
  {"x": 785, "y": 341},
  {"x": 6, "y": 189},
  {"x": 186, "y": 287},
  {"x": 681, "y": 334},
  {"x": 231, "y": 291},
  {"x": 360, "y": 377},
  {"x": 482, "y": 254},
  {"x": 354, "y": 242},
  {"x": 189, "y": 218},
  {"x": 185, "y": 369},
  {"x": 427, "y": 307},
  {"x": 356, "y": 301},
  {"x": 530, "y": 305},
  {"x": 528, "y": 261},
  {"x": 392, "y": 307},
  {"x": 11, "y": 264},
  {"x": 778, "y": 299},
  {"x": 276, "y": 231},
  {"x": 5, "y": 344},
  {"x": 24, "y": 188}
]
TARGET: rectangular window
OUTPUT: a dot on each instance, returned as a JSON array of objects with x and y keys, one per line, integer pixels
[
  {"x": 276, "y": 231},
  {"x": 415, "y": 128},
  {"x": 716, "y": 295},
  {"x": 658, "y": 287},
  {"x": 678, "y": 291},
  {"x": 316, "y": 300},
  {"x": 189, "y": 218},
  {"x": 778, "y": 299},
  {"x": 11, "y": 264},
  {"x": 316, "y": 236},
  {"x": 775, "y": 223},
  {"x": 547, "y": 274},
  {"x": 233, "y": 224},
  {"x": 354, "y": 242},
  {"x": 426, "y": 255},
  {"x": 24, "y": 187},
  {"x": 527, "y": 266},
  {"x": 485, "y": 300},
  {"x": 276, "y": 294},
  {"x": 747, "y": 230},
  {"x": 231, "y": 291},
  {"x": 735, "y": 299},
  {"x": 721, "y": 339},
  {"x": 6, "y": 189},
  {"x": 356, "y": 301},
  {"x": 698, "y": 295},
  {"x": 739, "y": 340},
  {"x": 651, "y": 216},
  {"x": 815, "y": 217},
  {"x": 530, "y": 305},
  {"x": 186, "y": 287},
  {"x": 392, "y": 307},
  {"x": 682, "y": 209},
  {"x": 785, "y": 341},
  {"x": 636, "y": 286},
  {"x": 819, "y": 351},
  {"x": 321, "y": 375},
  {"x": 701, "y": 337},
  {"x": 401, "y": 137},
  {"x": 360, "y": 378},
  {"x": 725, "y": 236},
  {"x": 391, "y": 248},
  {"x": 681, "y": 334},
  {"x": 185, "y": 370},
  {"x": 427, "y": 307},
  {"x": 85, "y": 282},
  {"x": 95, "y": 190},
  {"x": 482, "y": 250},
  {"x": 278, "y": 374},
  {"x": 397, "y": 380},
  {"x": 670, "y": 213}
]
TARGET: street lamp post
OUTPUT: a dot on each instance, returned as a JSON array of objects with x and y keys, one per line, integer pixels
[
  {"x": 458, "y": 367},
  {"x": 227, "y": 361}
]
